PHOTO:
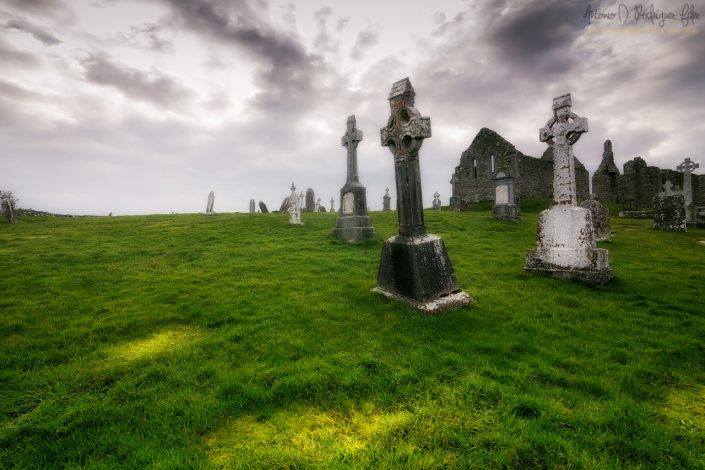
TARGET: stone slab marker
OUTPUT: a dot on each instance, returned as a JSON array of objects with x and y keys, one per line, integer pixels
[
  {"x": 436, "y": 201},
  {"x": 566, "y": 242},
  {"x": 332, "y": 206},
  {"x": 414, "y": 265},
  {"x": 687, "y": 168},
  {"x": 669, "y": 210},
  {"x": 252, "y": 206},
  {"x": 263, "y": 208},
  {"x": 211, "y": 200},
  {"x": 294, "y": 207},
  {"x": 353, "y": 223},
  {"x": 310, "y": 200},
  {"x": 386, "y": 205}
]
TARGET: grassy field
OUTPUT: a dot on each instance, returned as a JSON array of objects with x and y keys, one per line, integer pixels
[{"x": 239, "y": 341}]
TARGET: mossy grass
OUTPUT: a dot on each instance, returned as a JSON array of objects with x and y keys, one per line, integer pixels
[{"x": 240, "y": 341}]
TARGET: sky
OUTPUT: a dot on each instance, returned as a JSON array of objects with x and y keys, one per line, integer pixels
[{"x": 145, "y": 106}]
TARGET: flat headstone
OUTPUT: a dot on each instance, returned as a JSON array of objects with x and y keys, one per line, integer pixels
[
  {"x": 263, "y": 208},
  {"x": 600, "y": 219},
  {"x": 669, "y": 210}
]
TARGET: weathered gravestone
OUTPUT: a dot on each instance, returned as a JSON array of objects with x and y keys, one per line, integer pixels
[
  {"x": 687, "y": 168},
  {"x": 600, "y": 219},
  {"x": 302, "y": 200},
  {"x": 310, "y": 200},
  {"x": 566, "y": 241},
  {"x": 263, "y": 208},
  {"x": 252, "y": 206},
  {"x": 669, "y": 210},
  {"x": 504, "y": 207},
  {"x": 353, "y": 223},
  {"x": 211, "y": 200},
  {"x": 436, "y": 201},
  {"x": 332, "y": 207},
  {"x": 386, "y": 204},
  {"x": 285, "y": 204},
  {"x": 414, "y": 265},
  {"x": 317, "y": 206},
  {"x": 294, "y": 207}
]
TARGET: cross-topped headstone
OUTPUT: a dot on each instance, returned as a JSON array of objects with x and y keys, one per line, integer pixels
[
  {"x": 294, "y": 207},
  {"x": 332, "y": 208},
  {"x": 352, "y": 137},
  {"x": 687, "y": 168},
  {"x": 561, "y": 132},
  {"x": 386, "y": 205},
  {"x": 668, "y": 187},
  {"x": 404, "y": 134}
]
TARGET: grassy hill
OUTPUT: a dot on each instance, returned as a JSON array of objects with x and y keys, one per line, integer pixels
[{"x": 237, "y": 340}]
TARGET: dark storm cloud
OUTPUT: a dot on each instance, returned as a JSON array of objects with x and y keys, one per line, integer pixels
[
  {"x": 537, "y": 34},
  {"x": 37, "y": 6},
  {"x": 148, "y": 36},
  {"x": 21, "y": 24},
  {"x": 287, "y": 75},
  {"x": 12, "y": 56},
  {"x": 324, "y": 42},
  {"x": 153, "y": 87},
  {"x": 366, "y": 38}
]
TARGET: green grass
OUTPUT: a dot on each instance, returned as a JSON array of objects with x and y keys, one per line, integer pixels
[{"x": 239, "y": 341}]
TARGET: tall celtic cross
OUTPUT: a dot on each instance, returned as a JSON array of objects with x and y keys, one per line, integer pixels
[
  {"x": 687, "y": 168},
  {"x": 561, "y": 132},
  {"x": 352, "y": 137},
  {"x": 404, "y": 134}
]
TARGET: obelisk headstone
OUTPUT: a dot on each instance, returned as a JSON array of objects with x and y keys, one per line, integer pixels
[
  {"x": 414, "y": 265},
  {"x": 386, "y": 204},
  {"x": 566, "y": 242},
  {"x": 687, "y": 168},
  {"x": 669, "y": 210},
  {"x": 211, "y": 200},
  {"x": 294, "y": 207},
  {"x": 252, "y": 206},
  {"x": 353, "y": 223}
]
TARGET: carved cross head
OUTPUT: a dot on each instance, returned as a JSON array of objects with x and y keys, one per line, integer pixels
[
  {"x": 406, "y": 128},
  {"x": 667, "y": 186},
  {"x": 573, "y": 125},
  {"x": 687, "y": 166},
  {"x": 352, "y": 135}
]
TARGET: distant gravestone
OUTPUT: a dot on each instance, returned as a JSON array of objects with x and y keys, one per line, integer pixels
[
  {"x": 332, "y": 207},
  {"x": 294, "y": 207},
  {"x": 252, "y": 206},
  {"x": 669, "y": 210},
  {"x": 285, "y": 204},
  {"x": 386, "y": 201},
  {"x": 504, "y": 206},
  {"x": 263, "y": 208},
  {"x": 302, "y": 200},
  {"x": 566, "y": 241},
  {"x": 310, "y": 200},
  {"x": 600, "y": 219},
  {"x": 687, "y": 168},
  {"x": 436, "y": 201},
  {"x": 414, "y": 266},
  {"x": 317, "y": 206},
  {"x": 353, "y": 223},
  {"x": 211, "y": 200}
]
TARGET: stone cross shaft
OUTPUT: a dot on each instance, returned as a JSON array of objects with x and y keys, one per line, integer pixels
[
  {"x": 687, "y": 168},
  {"x": 352, "y": 137},
  {"x": 404, "y": 134},
  {"x": 561, "y": 132}
]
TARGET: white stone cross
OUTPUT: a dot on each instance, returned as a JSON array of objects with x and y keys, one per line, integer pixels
[
  {"x": 687, "y": 168},
  {"x": 667, "y": 187},
  {"x": 561, "y": 132}
]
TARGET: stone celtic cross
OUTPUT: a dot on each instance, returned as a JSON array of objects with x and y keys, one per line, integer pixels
[
  {"x": 404, "y": 134},
  {"x": 667, "y": 187},
  {"x": 352, "y": 137},
  {"x": 561, "y": 132},
  {"x": 687, "y": 168}
]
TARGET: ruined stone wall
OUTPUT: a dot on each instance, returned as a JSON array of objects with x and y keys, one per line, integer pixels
[{"x": 533, "y": 176}]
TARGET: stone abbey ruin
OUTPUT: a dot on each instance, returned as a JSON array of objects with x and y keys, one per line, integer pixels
[{"x": 489, "y": 154}]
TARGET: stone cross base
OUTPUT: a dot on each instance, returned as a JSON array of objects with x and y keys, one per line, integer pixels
[
  {"x": 669, "y": 212},
  {"x": 417, "y": 270},
  {"x": 508, "y": 212},
  {"x": 295, "y": 222},
  {"x": 354, "y": 228},
  {"x": 566, "y": 247}
]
